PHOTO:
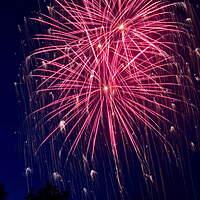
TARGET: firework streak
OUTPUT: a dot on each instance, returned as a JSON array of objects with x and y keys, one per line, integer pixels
[{"x": 110, "y": 67}]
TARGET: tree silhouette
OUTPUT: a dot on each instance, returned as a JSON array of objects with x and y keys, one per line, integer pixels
[
  {"x": 3, "y": 194},
  {"x": 49, "y": 192}
]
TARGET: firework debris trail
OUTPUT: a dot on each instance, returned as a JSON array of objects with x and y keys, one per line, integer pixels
[{"x": 111, "y": 67}]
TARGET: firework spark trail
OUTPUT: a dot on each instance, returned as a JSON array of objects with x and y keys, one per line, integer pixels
[{"x": 111, "y": 61}]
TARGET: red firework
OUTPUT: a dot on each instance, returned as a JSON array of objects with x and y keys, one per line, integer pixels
[{"x": 109, "y": 63}]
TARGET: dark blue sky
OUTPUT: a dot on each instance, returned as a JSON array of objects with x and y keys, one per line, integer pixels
[
  {"x": 12, "y": 176},
  {"x": 12, "y": 13}
]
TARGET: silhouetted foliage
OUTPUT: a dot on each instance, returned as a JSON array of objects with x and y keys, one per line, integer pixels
[
  {"x": 49, "y": 192},
  {"x": 3, "y": 193}
]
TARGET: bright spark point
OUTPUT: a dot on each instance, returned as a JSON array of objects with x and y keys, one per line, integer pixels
[
  {"x": 105, "y": 88},
  {"x": 99, "y": 46},
  {"x": 121, "y": 27}
]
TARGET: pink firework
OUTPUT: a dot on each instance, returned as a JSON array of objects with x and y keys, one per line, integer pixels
[{"x": 109, "y": 65}]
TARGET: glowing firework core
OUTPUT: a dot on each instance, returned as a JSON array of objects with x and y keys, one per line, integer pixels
[
  {"x": 121, "y": 27},
  {"x": 105, "y": 88}
]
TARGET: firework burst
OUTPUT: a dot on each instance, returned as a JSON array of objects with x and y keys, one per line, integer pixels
[{"x": 109, "y": 66}]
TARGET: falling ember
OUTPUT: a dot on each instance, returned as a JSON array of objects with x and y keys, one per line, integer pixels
[
  {"x": 107, "y": 75},
  {"x": 62, "y": 125}
]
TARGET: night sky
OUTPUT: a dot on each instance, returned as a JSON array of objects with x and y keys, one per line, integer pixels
[
  {"x": 12, "y": 175},
  {"x": 12, "y": 13}
]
